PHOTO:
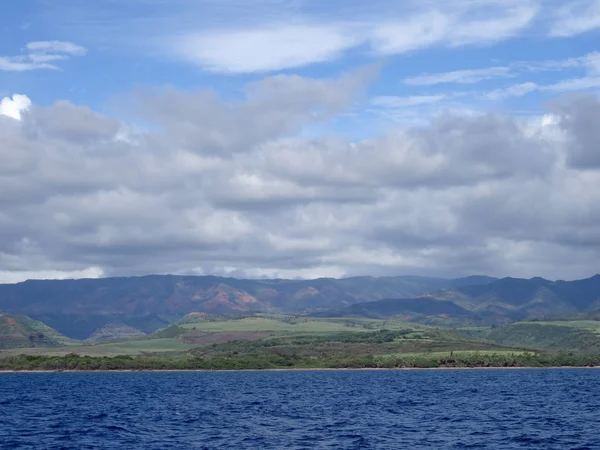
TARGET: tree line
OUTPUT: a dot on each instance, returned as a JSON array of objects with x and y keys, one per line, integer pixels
[{"x": 75, "y": 362}]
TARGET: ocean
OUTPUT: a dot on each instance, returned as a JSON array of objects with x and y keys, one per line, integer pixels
[{"x": 365, "y": 409}]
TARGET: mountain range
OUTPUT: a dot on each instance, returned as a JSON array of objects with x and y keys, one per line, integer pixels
[{"x": 80, "y": 308}]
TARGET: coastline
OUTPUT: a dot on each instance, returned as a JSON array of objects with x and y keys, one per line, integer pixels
[{"x": 303, "y": 369}]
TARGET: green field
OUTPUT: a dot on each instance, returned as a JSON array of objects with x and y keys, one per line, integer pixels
[
  {"x": 271, "y": 335},
  {"x": 592, "y": 325},
  {"x": 295, "y": 324},
  {"x": 131, "y": 347},
  {"x": 461, "y": 353}
]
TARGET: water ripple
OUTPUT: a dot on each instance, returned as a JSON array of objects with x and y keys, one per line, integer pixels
[{"x": 550, "y": 409}]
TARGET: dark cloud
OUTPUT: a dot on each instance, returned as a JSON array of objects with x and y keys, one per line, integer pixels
[
  {"x": 67, "y": 122},
  {"x": 579, "y": 117}
]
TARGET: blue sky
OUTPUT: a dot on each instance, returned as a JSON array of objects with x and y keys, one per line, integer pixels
[
  {"x": 514, "y": 54},
  {"x": 299, "y": 138}
]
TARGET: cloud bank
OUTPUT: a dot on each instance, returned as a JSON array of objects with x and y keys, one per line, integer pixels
[{"x": 228, "y": 187}]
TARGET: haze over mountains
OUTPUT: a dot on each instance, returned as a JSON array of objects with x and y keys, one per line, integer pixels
[{"x": 80, "y": 308}]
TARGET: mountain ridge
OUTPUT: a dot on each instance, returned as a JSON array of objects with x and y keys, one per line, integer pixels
[{"x": 78, "y": 308}]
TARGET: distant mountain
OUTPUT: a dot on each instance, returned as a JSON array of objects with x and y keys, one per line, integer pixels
[
  {"x": 523, "y": 299},
  {"x": 78, "y": 308},
  {"x": 17, "y": 331},
  {"x": 492, "y": 302},
  {"x": 406, "y": 307}
]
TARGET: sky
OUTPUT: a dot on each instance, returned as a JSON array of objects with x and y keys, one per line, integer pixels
[{"x": 299, "y": 138}]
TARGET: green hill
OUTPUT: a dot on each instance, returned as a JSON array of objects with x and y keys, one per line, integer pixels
[
  {"x": 18, "y": 331},
  {"x": 115, "y": 332},
  {"x": 581, "y": 337}
]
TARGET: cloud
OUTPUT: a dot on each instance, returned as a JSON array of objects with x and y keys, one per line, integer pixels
[
  {"x": 590, "y": 62},
  {"x": 18, "y": 276},
  {"x": 221, "y": 186},
  {"x": 56, "y": 47},
  {"x": 265, "y": 36},
  {"x": 284, "y": 44},
  {"x": 516, "y": 90},
  {"x": 579, "y": 116},
  {"x": 40, "y": 55},
  {"x": 576, "y": 17},
  {"x": 412, "y": 109},
  {"x": 451, "y": 29},
  {"x": 402, "y": 102},
  {"x": 13, "y": 107},
  {"x": 22, "y": 64},
  {"x": 273, "y": 107},
  {"x": 264, "y": 49},
  {"x": 460, "y": 76}
]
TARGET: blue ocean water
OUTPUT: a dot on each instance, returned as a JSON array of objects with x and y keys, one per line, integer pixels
[{"x": 506, "y": 409}]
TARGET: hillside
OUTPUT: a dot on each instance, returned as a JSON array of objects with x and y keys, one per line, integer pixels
[
  {"x": 564, "y": 336},
  {"x": 18, "y": 331},
  {"x": 261, "y": 335},
  {"x": 78, "y": 308},
  {"x": 407, "y": 308},
  {"x": 114, "y": 332},
  {"x": 495, "y": 302},
  {"x": 141, "y": 305},
  {"x": 521, "y": 299}
]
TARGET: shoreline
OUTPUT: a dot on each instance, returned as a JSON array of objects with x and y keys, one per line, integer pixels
[{"x": 303, "y": 369}]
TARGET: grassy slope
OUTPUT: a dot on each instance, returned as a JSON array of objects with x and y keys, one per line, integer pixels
[
  {"x": 569, "y": 336},
  {"x": 17, "y": 331},
  {"x": 271, "y": 334},
  {"x": 133, "y": 347},
  {"x": 294, "y": 324}
]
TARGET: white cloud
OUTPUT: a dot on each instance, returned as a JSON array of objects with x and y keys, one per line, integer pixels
[
  {"x": 277, "y": 45},
  {"x": 19, "y": 276},
  {"x": 506, "y": 24},
  {"x": 590, "y": 63},
  {"x": 56, "y": 47},
  {"x": 403, "y": 102},
  {"x": 13, "y": 107},
  {"x": 573, "y": 84},
  {"x": 593, "y": 63},
  {"x": 516, "y": 90},
  {"x": 460, "y": 76},
  {"x": 416, "y": 32},
  {"x": 40, "y": 55},
  {"x": 576, "y": 17},
  {"x": 21, "y": 64},
  {"x": 41, "y": 58},
  {"x": 448, "y": 29},
  {"x": 264, "y": 49}
]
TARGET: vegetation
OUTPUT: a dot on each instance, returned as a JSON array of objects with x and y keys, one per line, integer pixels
[
  {"x": 581, "y": 336},
  {"x": 114, "y": 308},
  {"x": 74, "y": 362},
  {"x": 261, "y": 341},
  {"x": 17, "y": 331},
  {"x": 132, "y": 347}
]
